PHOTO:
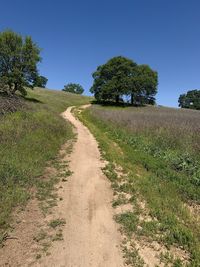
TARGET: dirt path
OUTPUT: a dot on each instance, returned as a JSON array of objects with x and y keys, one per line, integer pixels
[{"x": 90, "y": 235}]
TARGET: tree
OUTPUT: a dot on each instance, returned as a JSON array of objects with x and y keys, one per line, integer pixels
[
  {"x": 190, "y": 100},
  {"x": 143, "y": 86},
  {"x": 73, "y": 88},
  {"x": 121, "y": 76},
  {"x": 112, "y": 80},
  {"x": 40, "y": 81},
  {"x": 18, "y": 62}
]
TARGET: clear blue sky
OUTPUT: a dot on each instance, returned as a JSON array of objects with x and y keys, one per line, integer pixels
[{"x": 77, "y": 36}]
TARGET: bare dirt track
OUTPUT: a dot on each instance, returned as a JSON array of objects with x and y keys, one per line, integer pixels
[{"x": 90, "y": 236}]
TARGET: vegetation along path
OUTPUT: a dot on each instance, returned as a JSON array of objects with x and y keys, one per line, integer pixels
[{"x": 90, "y": 235}]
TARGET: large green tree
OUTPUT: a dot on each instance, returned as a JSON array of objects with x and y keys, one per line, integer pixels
[
  {"x": 18, "y": 62},
  {"x": 190, "y": 100},
  {"x": 112, "y": 80},
  {"x": 40, "y": 81},
  {"x": 73, "y": 88},
  {"x": 143, "y": 85},
  {"x": 120, "y": 77}
]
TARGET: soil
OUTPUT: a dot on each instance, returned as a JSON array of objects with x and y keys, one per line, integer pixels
[{"x": 90, "y": 236}]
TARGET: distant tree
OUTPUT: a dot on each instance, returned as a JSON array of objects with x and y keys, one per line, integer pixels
[
  {"x": 121, "y": 76},
  {"x": 18, "y": 62},
  {"x": 112, "y": 80},
  {"x": 40, "y": 81},
  {"x": 73, "y": 88},
  {"x": 190, "y": 100}
]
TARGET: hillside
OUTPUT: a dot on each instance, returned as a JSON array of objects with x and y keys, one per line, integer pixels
[
  {"x": 54, "y": 184},
  {"x": 29, "y": 139},
  {"x": 154, "y": 166}
]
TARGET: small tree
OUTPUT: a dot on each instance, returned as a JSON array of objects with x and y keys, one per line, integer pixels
[
  {"x": 40, "y": 81},
  {"x": 73, "y": 88},
  {"x": 18, "y": 62},
  {"x": 190, "y": 100}
]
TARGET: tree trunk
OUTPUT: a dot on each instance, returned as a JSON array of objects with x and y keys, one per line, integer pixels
[
  {"x": 13, "y": 88},
  {"x": 132, "y": 99},
  {"x": 117, "y": 99}
]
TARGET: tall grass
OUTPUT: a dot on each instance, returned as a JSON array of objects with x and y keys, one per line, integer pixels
[
  {"x": 168, "y": 135},
  {"x": 158, "y": 148},
  {"x": 171, "y": 128},
  {"x": 28, "y": 139}
]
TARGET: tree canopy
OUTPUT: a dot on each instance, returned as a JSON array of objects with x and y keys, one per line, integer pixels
[
  {"x": 190, "y": 100},
  {"x": 73, "y": 88},
  {"x": 18, "y": 62},
  {"x": 40, "y": 81},
  {"x": 120, "y": 77}
]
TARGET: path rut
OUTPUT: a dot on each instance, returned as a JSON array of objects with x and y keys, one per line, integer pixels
[{"x": 91, "y": 237}]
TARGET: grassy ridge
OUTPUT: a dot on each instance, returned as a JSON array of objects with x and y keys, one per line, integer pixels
[
  {"x": 151, "y": 178},
  {"x": 28, "y": 139}
]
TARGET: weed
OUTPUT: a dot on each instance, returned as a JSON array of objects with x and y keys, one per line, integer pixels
[
  {"x": 132, "y": 257},
  {"x": 45, "y": 246},
  {"x": 57, "y": 222},
  {"x": 129, "y": 220},
  {"x": 119, "y": 201},
  {"x": 40, "y": 236},
  {"x": 58, "y": 236}
]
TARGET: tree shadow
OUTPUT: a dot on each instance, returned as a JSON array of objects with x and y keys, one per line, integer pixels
[
  {"x": 33, "y": 100},
  {"x": 114, "y": 104},
  {"x": 5, "y": 95}
]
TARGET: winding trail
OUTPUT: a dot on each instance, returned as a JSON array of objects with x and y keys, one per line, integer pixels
[{"x": 90, "y": 235}]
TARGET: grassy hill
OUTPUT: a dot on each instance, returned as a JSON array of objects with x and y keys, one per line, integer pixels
[
  {"x": 157, "y": 150},
  {"x": 29, "y": 138}
]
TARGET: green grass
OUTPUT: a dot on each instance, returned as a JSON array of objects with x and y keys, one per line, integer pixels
[
  {"x": 151, "y": 179},
  {"x": 29, "y": 138},
  {"x": 40, "y": 236},
  {"x": 57, "y": 101},
  {"x": 57, "y": 222}
]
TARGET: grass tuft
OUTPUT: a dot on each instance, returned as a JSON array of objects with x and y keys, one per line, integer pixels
[{"x": 57, "y": 222}]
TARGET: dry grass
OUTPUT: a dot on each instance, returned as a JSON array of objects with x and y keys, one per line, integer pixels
[
  {"x": 11, "y": 104},
  {"x": 179, "y": 127}
]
